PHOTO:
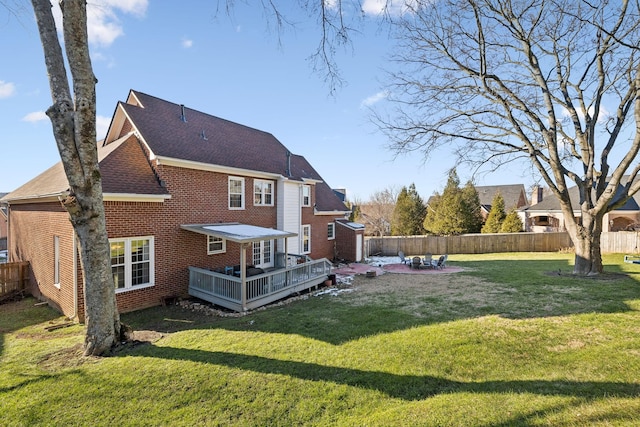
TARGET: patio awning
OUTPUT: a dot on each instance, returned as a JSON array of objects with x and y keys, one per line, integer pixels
[{"x": 240, "y": 233}]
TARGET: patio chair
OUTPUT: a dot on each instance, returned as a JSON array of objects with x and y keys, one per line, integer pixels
[
  {"x": 442, "y": 261},
  {"x": 428, "y": 260},
  {"x": 416, "y": 262},
  {"x": 403, "y": 259}
]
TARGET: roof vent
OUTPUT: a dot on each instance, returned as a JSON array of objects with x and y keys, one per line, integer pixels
[
  {"x": 203, "y": 135},
  {"x": 182, "y": 115}
]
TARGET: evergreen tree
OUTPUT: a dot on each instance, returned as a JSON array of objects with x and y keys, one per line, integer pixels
[
  {"x": 447, "y": 213},
  {"x": 431, "y": 217},
  {"x": 471, "y": 209},
  {"x": 512, "y": 223},
  {"x": 409, "y": 213},
  {"x": 496, "y": 215}
]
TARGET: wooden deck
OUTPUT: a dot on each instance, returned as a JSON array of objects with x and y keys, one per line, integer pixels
[{"x": 227, "y": 291}]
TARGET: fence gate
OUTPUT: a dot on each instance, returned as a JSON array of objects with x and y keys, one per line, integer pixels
[{"x": 13, "y": 279}]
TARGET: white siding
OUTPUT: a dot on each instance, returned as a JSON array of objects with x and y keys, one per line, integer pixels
[{"x": 289, "y": 214}]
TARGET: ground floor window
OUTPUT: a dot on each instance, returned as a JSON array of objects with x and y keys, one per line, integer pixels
[
  {"x": 306, "y": 239},
  {"x": 216, "y": 245},
  {"x": 132, "y": 262}
]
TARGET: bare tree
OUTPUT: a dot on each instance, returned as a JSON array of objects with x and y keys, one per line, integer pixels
[
  {"x": 74, "y": 128},
  {"x": 376, "y": 214},
  {"x": 555, "y": 82}
]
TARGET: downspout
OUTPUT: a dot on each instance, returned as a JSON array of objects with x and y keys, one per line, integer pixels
[{"x": 75, "y": 277}]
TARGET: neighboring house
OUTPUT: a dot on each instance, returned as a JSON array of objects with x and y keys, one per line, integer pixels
[
  {"x": 546, "y": 215},
  {"x": 194, "y": 204},
  {"x": 514, "y": 195},
  {"x": 3, "y": 224}
]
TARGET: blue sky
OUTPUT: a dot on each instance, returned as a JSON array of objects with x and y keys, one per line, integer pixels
[{"x": 238, "y": 68}]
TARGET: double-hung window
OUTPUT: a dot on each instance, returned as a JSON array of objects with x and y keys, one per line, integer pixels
[
  {"x": 132, "y": 262},
  {"x": 262, "y": 193},
  {"x": 306, "y": 239},
  {"x": 306, "y": 195},
  {"x": 236, "y": 193},
  {"x": 216, "y": 245}
]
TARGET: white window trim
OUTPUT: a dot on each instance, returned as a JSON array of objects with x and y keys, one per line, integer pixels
[
  {"x": 261, "y": 183},
  {"x": 262, "y": 247},
  {"x": 331, "y": 225},
  {"x": 127, "y": 269},
  {"x": 302, "y": 235},
  {"x": 308, "y": 189},
  {"x": 221, "y": 251},
  {"x": 242, "y": 204},
  {"x": 56, "y": 261}
]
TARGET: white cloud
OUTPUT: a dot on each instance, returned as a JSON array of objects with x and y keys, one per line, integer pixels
[
  {"x": 187, "y": 43},
  {"x": 103, "y": 24},
  {"x": 374, "y": 99},
  {"x": 603, "y": 115},
  {"x": 391, "y": 7},
  {"x": 7, "y": 89},
  {"x": 102, "y": 125},
  {"x": 36, "y": 116},
  {"x": 331, "y": 4}
]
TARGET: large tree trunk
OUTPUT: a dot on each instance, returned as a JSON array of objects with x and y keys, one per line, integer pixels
[
  {"x": 74, "y": 129},
  {"x": 586, "y": 241}
]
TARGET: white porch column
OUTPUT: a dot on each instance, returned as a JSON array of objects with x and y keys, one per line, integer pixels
[{"x": 243, "y": 276}]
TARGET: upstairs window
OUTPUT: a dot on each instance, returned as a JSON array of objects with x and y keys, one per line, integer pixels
[
  {"x": 306, "y": 195},
  {"x": 236, "y": 193},
  {"x": 262, "y": 193}
]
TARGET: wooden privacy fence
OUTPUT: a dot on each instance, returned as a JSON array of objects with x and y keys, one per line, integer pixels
[
  {"x": 13, "y": 279},
  {"x": 614, "y": 242}
]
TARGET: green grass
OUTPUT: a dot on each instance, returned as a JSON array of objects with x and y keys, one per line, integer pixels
[{"x": 505, "y": 343}]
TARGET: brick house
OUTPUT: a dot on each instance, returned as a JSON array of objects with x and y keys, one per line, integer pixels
[{"x": 194, "y": 205}]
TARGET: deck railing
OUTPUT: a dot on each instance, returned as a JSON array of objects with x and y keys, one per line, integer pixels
[{"x": 226, "y": 291}]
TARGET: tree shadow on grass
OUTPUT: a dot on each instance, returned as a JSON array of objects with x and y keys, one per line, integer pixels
[
  {"x": 406, "y": 387},
  {"x": 20, "y": 314},
  {"x": 510, "y": 289}
]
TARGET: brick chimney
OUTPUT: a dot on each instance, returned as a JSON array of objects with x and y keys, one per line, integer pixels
[{"x": 536, "y": 195}]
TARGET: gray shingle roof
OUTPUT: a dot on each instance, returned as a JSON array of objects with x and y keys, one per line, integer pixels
[
  {"x": 551, "y": 202},
  {"x": 124, "y": 169},
  {"x": 514, "y": 195},
  {"x": 203, "y": 138}
]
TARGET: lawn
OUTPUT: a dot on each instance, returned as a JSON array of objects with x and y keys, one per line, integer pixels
[{"x": 512, "y": 340}]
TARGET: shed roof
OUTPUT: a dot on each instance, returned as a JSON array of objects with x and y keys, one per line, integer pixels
[{"x": 236, "y": 232}]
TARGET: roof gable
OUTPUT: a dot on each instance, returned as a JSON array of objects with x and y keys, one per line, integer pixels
[
  {"x": 123, "y": 165},
  {"x": 514, "y": 195},
  {"x": 173, "y": 131},
  {"x": 177, "y": 132}
]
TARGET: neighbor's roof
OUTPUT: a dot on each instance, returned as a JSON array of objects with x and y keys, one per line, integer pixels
[
  {"x": 514, "y": 195},
  {"x": 551, "y": 202}
]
